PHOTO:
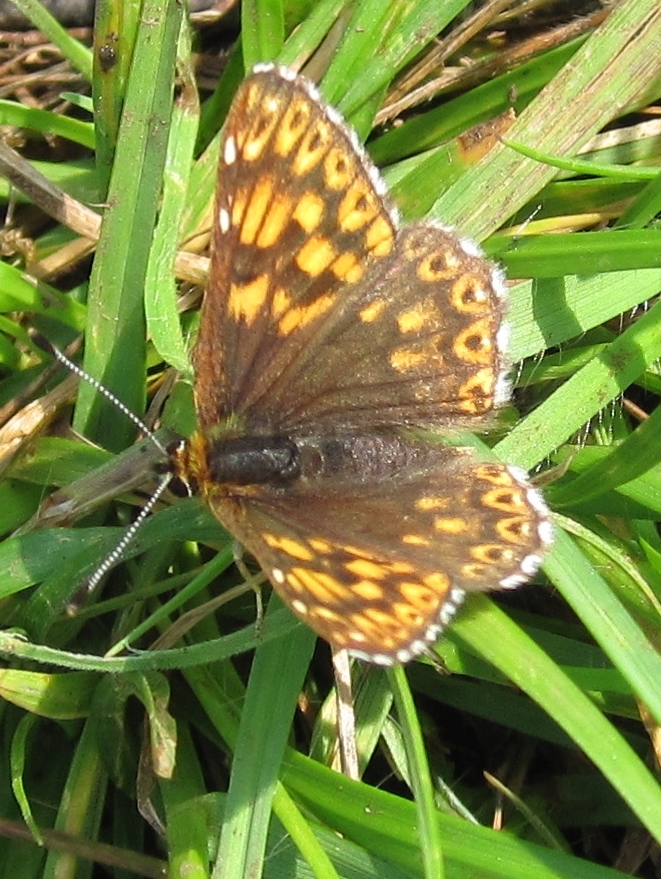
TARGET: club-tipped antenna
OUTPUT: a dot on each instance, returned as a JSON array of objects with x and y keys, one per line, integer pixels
[{"x": 116, "y": 554}]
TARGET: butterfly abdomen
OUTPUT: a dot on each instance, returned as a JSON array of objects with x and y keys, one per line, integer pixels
[{"x": 281, "y": 460}]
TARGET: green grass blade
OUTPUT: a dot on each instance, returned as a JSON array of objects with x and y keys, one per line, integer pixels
[{"x": 116, "y": 318}]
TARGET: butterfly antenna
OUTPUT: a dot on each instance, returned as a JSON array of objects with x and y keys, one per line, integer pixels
[
  {"x": 96, "y": 384},
  {"x": 115, "y": 555}
]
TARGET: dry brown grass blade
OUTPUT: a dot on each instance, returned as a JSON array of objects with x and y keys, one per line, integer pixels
[
  {"x": 616, "y": 69},
  {"x": 77, "y": 216}
]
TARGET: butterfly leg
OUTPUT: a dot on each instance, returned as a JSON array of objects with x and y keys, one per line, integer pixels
[{"x": 251, "y": 580}]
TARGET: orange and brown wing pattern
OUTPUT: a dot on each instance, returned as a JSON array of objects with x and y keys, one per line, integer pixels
[
  {"x": 381, "y": 571},
  {"x": 420, "y": 342},
  {"x": 300, "y": 216},
  {"x": 325, "y": 330},
  {"x": 310, "y": 271}
]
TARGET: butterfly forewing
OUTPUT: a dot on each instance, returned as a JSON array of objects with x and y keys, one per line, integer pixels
[
  {"x": 430, "y": 355},
  {"x": 305, "y": 259},
  {"x": 298, "y": 221}
]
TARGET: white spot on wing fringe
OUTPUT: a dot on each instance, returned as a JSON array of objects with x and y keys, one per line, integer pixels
[{"x": 229, "y": 151}]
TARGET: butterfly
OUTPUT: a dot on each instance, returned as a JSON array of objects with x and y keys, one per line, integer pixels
[{"x": 331, "y": 338}]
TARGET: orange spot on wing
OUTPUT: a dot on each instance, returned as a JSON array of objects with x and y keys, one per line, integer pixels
[{"x": 246, "y": 301}]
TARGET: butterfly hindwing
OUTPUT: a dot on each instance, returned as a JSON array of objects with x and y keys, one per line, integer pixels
[{"x": 357, "y": 560}]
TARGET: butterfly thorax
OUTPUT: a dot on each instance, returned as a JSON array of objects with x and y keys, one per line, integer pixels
[{"x": 253, "y": 460}]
